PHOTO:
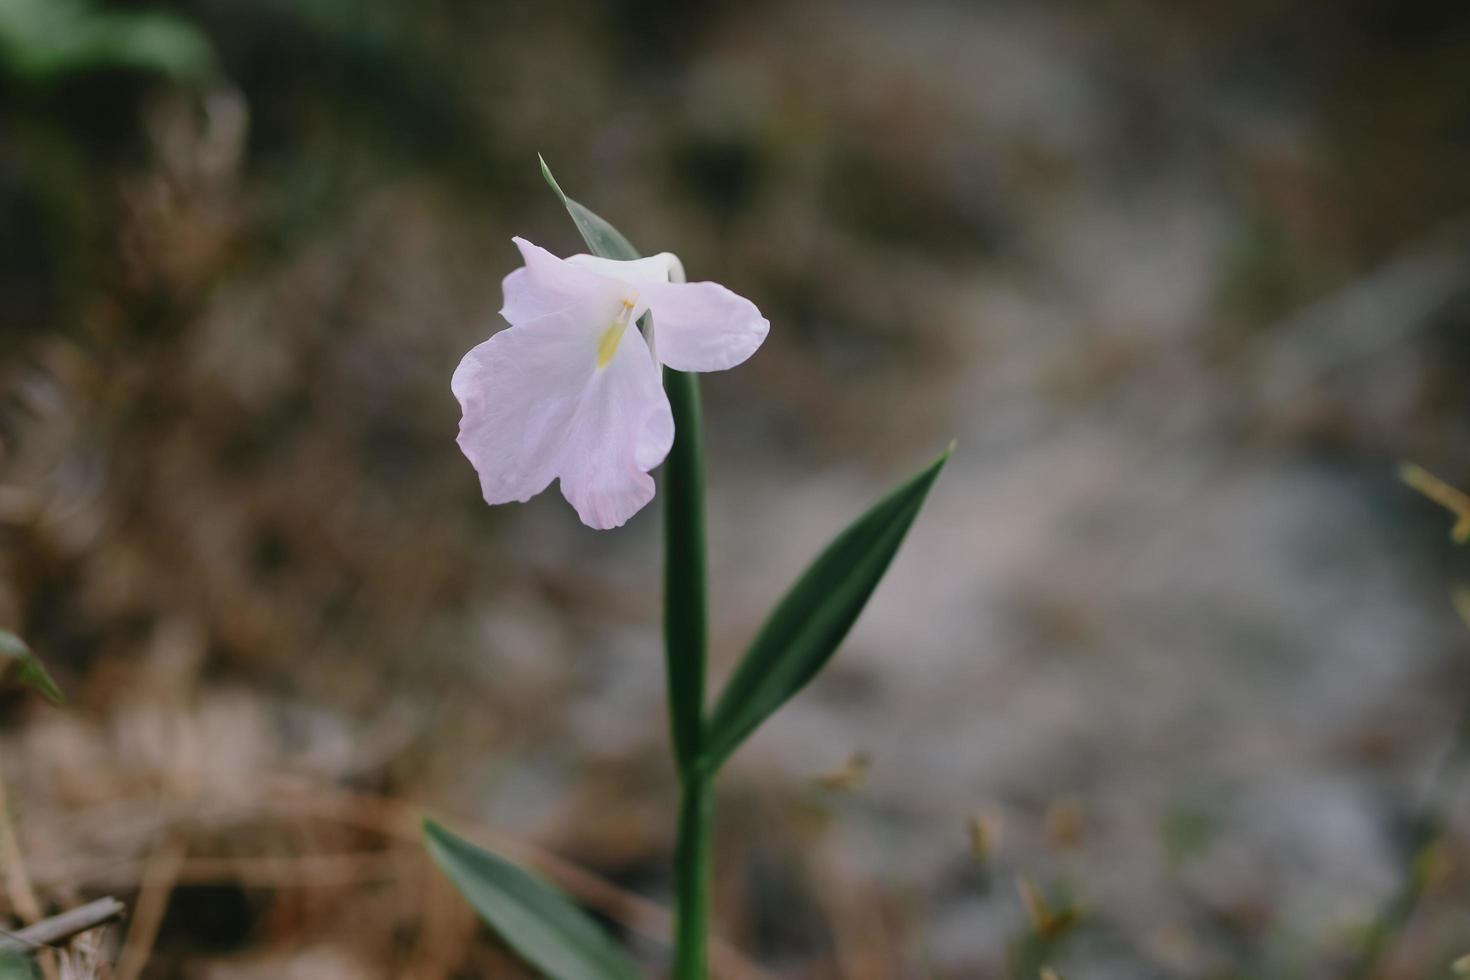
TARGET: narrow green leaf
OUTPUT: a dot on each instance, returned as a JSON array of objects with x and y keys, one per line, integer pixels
[
  {"x": 531, "y": 916},
  {"x": 15, "y": 655},
  {"x": 807, "y": 625},
  {"x": 602, "y": 238}
]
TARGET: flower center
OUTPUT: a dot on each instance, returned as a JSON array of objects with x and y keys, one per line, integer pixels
[{"x": 607, "y": 345}]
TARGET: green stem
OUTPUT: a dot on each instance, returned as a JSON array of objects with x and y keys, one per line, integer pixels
[
  {"x": 685, "y": 591},
  {"x": 692, "y": 879},
  {"x": 686, "y": 629}
]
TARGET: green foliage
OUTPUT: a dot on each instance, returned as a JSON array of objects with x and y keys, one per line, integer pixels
[
  {"x": 1051, "y": 921},
  {"x": 43, "y": 40},
  {"x": 16, "y": 657},
  {"x": 532, "y": 917},
  {"x": 14, "y": 966},
  {"x": 806, "y": 627},
  {"x": 686, "y": 621},
  {"x": 797, "y": 640},
  {"x": 686, "y": 600},
  {"x": 602, "y": 238}
]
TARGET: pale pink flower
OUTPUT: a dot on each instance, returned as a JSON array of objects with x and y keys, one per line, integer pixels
[{"x": 573, "y": 390}]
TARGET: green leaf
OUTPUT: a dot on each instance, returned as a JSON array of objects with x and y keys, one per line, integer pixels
[
  {"x": 14, "y": 966},
  {"x": 531, "y": 916},
  {"x": 602, "y": 238},
  {"x": 48, "y": 39},
  {"x": 806, "y": 627},
  {"x": 15, "y": 655}
]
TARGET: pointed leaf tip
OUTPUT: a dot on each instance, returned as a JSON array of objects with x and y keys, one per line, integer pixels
[
  {"x": 535, "y": 920},
  {"x": 28, "y": 667},
  {"x": 601, "y": 237},
  {"x": 550, "y": 180}
]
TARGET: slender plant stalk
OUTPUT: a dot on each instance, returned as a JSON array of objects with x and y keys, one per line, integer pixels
[
  {"x": 686, "y": 602},
  {"x": 692, "y": 878},
  {"x": 686, "y": 615}
]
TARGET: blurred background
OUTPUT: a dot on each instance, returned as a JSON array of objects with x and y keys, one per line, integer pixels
[{"x": 1165, "y": 682}]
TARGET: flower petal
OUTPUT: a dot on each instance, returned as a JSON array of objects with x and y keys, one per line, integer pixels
[
  {"x": 519, "y": 392},
  {"x": 546, "y": 284},
  {"x": 654, "y": 268},
  {"x": 623, "y": 428},
  {"x": 702, "y": 326}
]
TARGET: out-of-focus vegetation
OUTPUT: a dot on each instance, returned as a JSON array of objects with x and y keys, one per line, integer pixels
[
  {"x": 22, "y": 666},
  {"x": 1187, "y": 282},
  {"x": 44, "y": 41}
]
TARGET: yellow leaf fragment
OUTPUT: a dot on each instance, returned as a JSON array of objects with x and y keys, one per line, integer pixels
[
  {"x": 1033, "y": 902},
  {"x": 850, "y": 777},
  {"x": 983, "y": 830},
  {"x": 1046, "y": 922},
  {"x": 1455, "y": 501}
]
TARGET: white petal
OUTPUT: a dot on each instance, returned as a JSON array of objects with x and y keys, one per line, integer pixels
[
  {"x": 623, "y": 428},
  {"x": 546, "y": 284},
  {"x": 519, "y": 392},
  {"x": 702, "y": 326},
  {"x": 654, "y": 268}
]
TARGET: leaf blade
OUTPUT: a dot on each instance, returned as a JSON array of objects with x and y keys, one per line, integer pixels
[
  {"x": 535, "y": 920},
  {"x": 28, "y": 668},
  {"x": 812, "y": 619},
  {"x": 601, "y": 237}
]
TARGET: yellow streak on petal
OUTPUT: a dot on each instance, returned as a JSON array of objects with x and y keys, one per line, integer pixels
[{"x": 607, "y": 344}]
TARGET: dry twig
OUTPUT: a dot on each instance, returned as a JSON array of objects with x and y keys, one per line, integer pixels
[
  {"x": 159, "y": 878},
  {"x": 58, "y": 928}
]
